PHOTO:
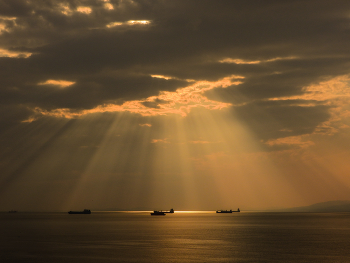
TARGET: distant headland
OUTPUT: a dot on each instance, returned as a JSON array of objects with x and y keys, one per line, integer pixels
[{"x": 324, "y": 207}]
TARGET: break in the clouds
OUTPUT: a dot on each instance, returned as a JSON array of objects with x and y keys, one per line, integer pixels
[
  {"x": 113, "y": 52},
  {"x": 279, "y": 69}
]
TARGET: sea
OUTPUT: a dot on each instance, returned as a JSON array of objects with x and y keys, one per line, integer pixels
[{"x": 195, "y": 236}]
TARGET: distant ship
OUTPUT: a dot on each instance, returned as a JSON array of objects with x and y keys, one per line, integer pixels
[
  {"x": 13, "y": 211},
  {"x": 86, "y": 211},
  {"x": 162, "y": 213},
  {"x": 158, "y": 213},
  {"x": 227, "y": 211}
]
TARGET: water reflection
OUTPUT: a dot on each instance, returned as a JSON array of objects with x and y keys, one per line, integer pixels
[{"x": 179, "y": 237}]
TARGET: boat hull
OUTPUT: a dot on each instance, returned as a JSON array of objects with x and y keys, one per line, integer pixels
[
  {"x": 157, "y": 213},
  {"x": 227, "y": 211},
  {"x": 80, "y": 212},
  {"x": 161, "y": 212}
]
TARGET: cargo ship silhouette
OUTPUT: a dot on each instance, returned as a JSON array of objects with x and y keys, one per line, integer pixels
[
  {"x": 227, "y": 211},
  {"x": 162, "y": 213},
  {"x": 85, "y": 211}
]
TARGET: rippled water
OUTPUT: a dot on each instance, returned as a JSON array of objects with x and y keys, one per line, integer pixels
[{"x": 179, "y": 237}]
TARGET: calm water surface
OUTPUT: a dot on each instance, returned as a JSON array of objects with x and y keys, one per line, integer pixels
[{"x": 179, "y": 237}]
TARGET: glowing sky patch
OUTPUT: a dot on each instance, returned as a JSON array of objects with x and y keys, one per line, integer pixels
[
  {"x": 59, "y": 83},
  {"x": 14, "y": 54},
  {"x": 4, "y": 23},
  {"x": 129, "y": 103},
  {"x": 160, "y": 141},
  {"x": 180, "y": 102},
  {"x": 108, "y": 6},
  {"x": 161, "y": 77},
  {"x": 292, "y": 140},
  {"x": 241, "y": 61},
  {"x": 65, "y": 9},
  {"x": 8, "y": 18},
  {"x": 114, "y": 24},
  {"x": 138, "y": 22},
  {"x": 199, "y": 142},
  {"x": 335, "y": 93},
  {"x": 84, "y": 9},
  {"x": 336, "y": 89},
  {"x": 129, "y": 23}
]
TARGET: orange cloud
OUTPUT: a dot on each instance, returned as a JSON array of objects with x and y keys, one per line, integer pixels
[
  {"x": 84, "y": 9},
  {"x": 13, "y": 54},
  {"x": 336, "y": 89},
  {"x": 179, "y": 102},
  {"x": 160, "y": 141},
  {"x": 65, "y": 9},
  {"x": 60, "y": 83},
  {"x": 199, "y": 142},
  {"x": 129, "y": 23},
  {"x": 334, "y": 92},
  {"x": 3, "y": 25},
  {"x": 161, "y": 77},
  {"x": 241, "y": 61},
  {"x": 291, "y": 140}
]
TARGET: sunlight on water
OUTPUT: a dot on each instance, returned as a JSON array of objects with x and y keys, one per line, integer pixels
[
  {"x": 195, "y": 212},
  {"x": 185, "y": 236}
]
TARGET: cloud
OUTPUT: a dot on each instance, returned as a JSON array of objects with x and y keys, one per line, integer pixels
[
  {"x": 141, "y": 57},
  {"x": 108, "y": 5},
  {"x": 145, "y": 125},
  {"x": 292, "y": 140},
  {"x": 133, "y": 76},
  {"x": 84, "y": 9},
  {"x": 199, "y": 142},
  {"x": 59, "y": 83},
  {"x": 160, "y": 141},
  {"x": 14, "y": 54},
  {"x": 129, "y": 23},
  {"x": 166, "y": 103},
  {"x": 334, "y": 93},
  {"x": 241, "y": 61}
]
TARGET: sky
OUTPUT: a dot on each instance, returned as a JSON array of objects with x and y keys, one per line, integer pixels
[{"x": 191, "y": 105}]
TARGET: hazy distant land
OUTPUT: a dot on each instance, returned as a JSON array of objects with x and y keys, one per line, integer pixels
[{"x": 327, "y": 207}]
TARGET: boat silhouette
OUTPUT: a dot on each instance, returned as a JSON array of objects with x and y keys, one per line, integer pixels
[
  {"x": 227, "y": 211},
  {"x": 162, "y": 213},
  {"x": 85, "y": 211},
  {"x": 158, "y": 213}
]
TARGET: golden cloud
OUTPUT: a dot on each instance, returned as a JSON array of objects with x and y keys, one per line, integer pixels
[
  {"x": 128, "y": 23},
  {"x": 84, "y": 9},
  {"x": 59, "y": 83},
  {"x": 160, "y": 141},
  {"x": 179, "y": 102},
  {"x": 291, "y": 140},
  {"x": 108, "y": 6},
  {"x": 334, "y": 92},
  {"x": 241, "y": 61},
  {"x": 14, "y": 54}
]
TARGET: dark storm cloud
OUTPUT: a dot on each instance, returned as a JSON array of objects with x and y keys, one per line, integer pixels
[{"x": 186, "y": 40}]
